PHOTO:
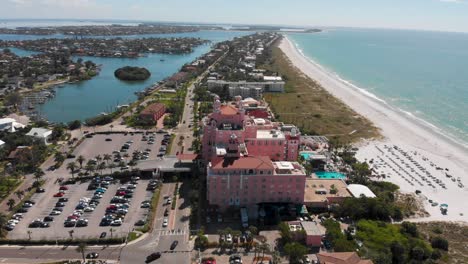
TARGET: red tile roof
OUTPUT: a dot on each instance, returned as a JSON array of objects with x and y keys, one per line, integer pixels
[
  {"x": 190, "y": 157},
  {"x": 229, "y": 110},
  {"x": 243, "y": 163},
  {"x": 152, "y": 108},
  {"x": 342, "y": 258}
]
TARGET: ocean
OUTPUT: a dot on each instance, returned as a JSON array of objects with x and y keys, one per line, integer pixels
[
  {"x": 424, "y": 74},
  {"x": 79, "y": 101}
]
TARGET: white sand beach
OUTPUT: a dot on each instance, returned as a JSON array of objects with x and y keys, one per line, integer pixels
[{"x": 418, "y": 145}]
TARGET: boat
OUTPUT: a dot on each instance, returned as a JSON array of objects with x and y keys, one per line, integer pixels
[{"x": 162, "y": 60}]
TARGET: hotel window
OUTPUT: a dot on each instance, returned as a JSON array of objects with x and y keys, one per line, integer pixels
[
  {"x": 280, "y": 143},
  {"x": 261, "y": 172},
  {"x": 266, "y": 143}
]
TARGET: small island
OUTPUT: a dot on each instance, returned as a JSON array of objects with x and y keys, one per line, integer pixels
[{"x": 129, "y": 73}]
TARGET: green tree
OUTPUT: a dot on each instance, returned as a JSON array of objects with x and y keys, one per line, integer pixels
[
  {"x": 74, "y": 124},
  {"x": 19, "y": 194},
  {"x": 440, "y": 243},
  {"x": 82, "y": 247},
  {"x": 72, "y": 167},
  {"x": 38, "y": 174},
  {"x": 285, "y": 232},
  {"x": 11, "y": 203},
  {"x": 13, "y": 99},
  {"x": 398, "y": 253},
  {"x": 107, "y": 158},
  {"x": 59, "y": 157},
  {"x": 295, "y": 251},
  {"x": 80, "y": 160}
]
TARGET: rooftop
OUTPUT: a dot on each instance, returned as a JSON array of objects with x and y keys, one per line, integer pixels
[
  {"x": 39, "y": 132},
  {"x": 229, "y": 110},
  {"x": 318, "y": 190},
  {"x": 358, "y": 190},
  {"x": 341, "y": 258},
  {"x": 312, "y": 228},
  {"x": 288, "y": 167},
  {"x": 152, "y": 108},
  {"x": 272, "y": 78},
  {"x": 242, "y": 163},
  {"x": 270, "y": 134}
]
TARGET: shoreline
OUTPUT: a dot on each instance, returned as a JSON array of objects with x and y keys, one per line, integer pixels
[{"x": 397, "y": 127}]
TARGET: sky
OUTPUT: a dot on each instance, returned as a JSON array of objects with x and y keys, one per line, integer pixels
[{"x": 441, "y": 15}]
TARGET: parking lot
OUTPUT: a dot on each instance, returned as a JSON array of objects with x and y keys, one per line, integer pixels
[
  {"x": 46, "y": 202},
  {"x": 123, "y": 144}
]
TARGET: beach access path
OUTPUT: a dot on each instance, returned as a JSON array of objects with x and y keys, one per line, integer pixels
[{"x": 397, "y": 127}]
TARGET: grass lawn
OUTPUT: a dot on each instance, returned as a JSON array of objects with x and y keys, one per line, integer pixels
[
  {"x": 310, "y": 107},
  {"x": 7, "y": 185}
]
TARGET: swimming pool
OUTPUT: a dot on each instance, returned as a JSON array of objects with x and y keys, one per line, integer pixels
[
  {"x": 330, "y": 175},
  {"x": 306, "y": 155}
]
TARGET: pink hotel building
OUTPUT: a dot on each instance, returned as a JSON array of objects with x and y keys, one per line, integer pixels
[{"x": 250, "y": 160}]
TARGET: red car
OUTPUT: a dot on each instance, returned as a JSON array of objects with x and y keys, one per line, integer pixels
[
  {"x": 72, "y": 217},
  {"x": 59, "y": 194},
  {"x": 64, "y": 188},
  {"x": 120, "y": 193}
]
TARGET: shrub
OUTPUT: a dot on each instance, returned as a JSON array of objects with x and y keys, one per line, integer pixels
[
  {"x": 439, "y": 243},
  {"x": 129, "y": 73}
]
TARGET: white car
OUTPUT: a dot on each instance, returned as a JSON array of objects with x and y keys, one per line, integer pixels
[
  {"x": 89, "y": 209},
  {"x": 165, "y": 222},
  {"x": 116, "y": 222},
  {"x": 229, "y": 238},
  {"x": 18, "y": 216},
  {"x": 13, "y": 221},
  {"x": 55, "y": 212}
]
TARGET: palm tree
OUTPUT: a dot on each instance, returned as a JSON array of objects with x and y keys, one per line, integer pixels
[
  {"x": 3, "y": 222},
  {"x": 82, "y": 249},
  {"x": 11, "y": 203},
  {"x": 107, "y": 158},
  {"x": 112, "y": 231},
  {"x": 265, "y": 247},
  {"x": 72, "y": 167},
  {"x": 126, "y": 156},
  {"x": 38, "y": 174},
  {"x": 111, "y": 127},
  {"x": 90, "y": 167},
  {"x": 101, "y": 166},
  {"x": 132, "y": 163},
  {"x": 111, "y": 166},
  {"x": 98, "y": 158},
  {"x": 80, "y": 160},
  {"x": 29, "y": 234},
  {"x": 71, "y": 233},
  {"x": 20, "y": 194}
]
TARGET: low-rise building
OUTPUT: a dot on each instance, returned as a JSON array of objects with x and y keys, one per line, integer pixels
[
  {"x": 43, "y": 134},
  {"x": 321, "y": 193},
  {"x": 341, "y": 258},
  {"x": 313, "y": 231},
  {"x": 153, "y": 112},
  {"x": 267, "y": 86},
  {"x": 359, "y": 190},
  {"x": 248, "y": 91},
  {"x": 10, "y": 125}
]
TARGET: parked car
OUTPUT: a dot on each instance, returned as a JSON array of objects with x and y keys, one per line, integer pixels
[
  {"x": 92, "y": 255},
  {"x": 153, "y": 257},
  {"x": 103, "y": 235},
  {"x": 174, "y": 244}
]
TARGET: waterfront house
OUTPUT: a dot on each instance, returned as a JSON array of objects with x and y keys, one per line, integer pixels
[
  {"x": 320, "y": 194},
  {"x": 153, "y": 112},
  {"x": 43, "y": 134},
  {"x": 10, "y": 125}
]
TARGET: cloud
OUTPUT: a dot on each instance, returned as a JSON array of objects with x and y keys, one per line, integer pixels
[
  {"x": 453, "y": 1},
  {"x": 20, "y": 2}
]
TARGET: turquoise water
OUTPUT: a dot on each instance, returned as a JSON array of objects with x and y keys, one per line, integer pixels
[
  {"x": 329, "y": 175},
  {"x": 104, "y": 92},
  {"x": 306, "y": 156},
  {"x": 422, "y": 73}
]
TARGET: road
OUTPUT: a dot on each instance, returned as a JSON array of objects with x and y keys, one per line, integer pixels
[{"x": 185, "y": 126}]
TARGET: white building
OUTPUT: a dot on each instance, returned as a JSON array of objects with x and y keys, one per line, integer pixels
[
  {"x": 254, "y": 92},
  {"x": 275, "y": 85},
  {"x": 40, "y": 133},
  {"x": 359, "y": 190},
  {"x": 10, "y": 125}
]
